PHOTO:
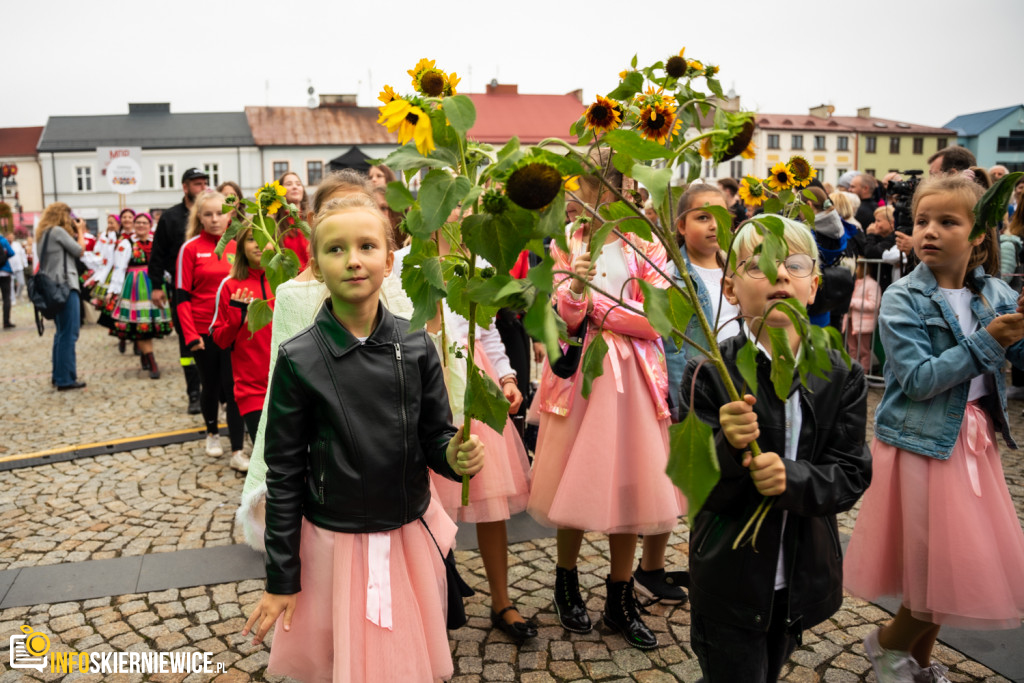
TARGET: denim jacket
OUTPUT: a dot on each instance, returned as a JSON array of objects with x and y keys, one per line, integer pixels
[
  {"x": 930, "y": 362},
  {"x": 675, "y": 357}
]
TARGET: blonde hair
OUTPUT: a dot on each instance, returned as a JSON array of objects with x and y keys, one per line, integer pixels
[
  {"x": 966, "y": 193},
  {"x": 57, "y": 213},
  {"x": 345, "y": 180},
  {"x": 194, "y": 225},
  {"x": 798, "y": 236},
  {"x": 844, "y": 203},
  {"x": 888, "y": 212},
  {"x": 359, "y": 201}
]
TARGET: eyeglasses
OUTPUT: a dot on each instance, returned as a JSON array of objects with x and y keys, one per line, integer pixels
[{"x": 797, "y": 265}]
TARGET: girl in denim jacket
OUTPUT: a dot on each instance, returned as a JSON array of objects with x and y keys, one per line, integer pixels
[{"x": 937, "y": 525}]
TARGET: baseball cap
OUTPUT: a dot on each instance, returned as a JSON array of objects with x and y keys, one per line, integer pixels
[{"x": 192, "y": 174}]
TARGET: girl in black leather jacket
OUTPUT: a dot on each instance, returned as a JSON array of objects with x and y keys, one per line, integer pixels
[{"x": 357, "y": 413}]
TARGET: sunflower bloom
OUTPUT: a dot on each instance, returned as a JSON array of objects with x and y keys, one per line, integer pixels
[
  {"x": 705, "y": 148},
  {"x": 271, "y": 194},
  {"x": 420, "y": 67},
  {"x": 696, "y": 65},
  {"x": 411, "y": 122},
  {"x": 750, "y": 152},
  {"x": 603, "y": 115},
  {"x": 751, "y": 191},
  {"x": 658, "y": 122},
  {"x": 387, "y": 94},
  {"x": 675, "y": 66},
  {"x": 449, "y": 86},
  {"x": 431, "y": 82},
  {"x": 534, "y": 185},
  {"x": 803, "y": 173},
  {"x": 780, "y": 178}
]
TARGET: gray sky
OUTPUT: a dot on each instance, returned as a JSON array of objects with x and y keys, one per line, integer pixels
[{"x": 922, "y": 61}]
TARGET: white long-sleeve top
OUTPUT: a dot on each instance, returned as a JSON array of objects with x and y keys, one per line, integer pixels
[
  {"x": 101, "y": 259},
  {"x": 122, "y": 255}
]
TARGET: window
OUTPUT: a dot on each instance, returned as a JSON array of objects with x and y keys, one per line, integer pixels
[
  {"x": 314, "y": 172},
  {"x": 1012, "y": 166},
  {"x": 870, "y": 172},
  {"x": 165, "y": 176},
  {"x": 819, "y": 143},
  {"x": 840, "y": 172},
  {"x": 1013, "y": 143},
  {"x": 843, "y": 143},
  {"x": 798, "y": 142},
  {"x": 709, "y": 169},
  {"x": 280, "y": 168},
  {"x": 773, "y": 141},
  {"x": 918, "y": 145},
  {"x": 870, "y": 144},
  {"x": 736, "y": 168},
  {"x": 83, "y": 178},
  {"x": 943, "y": 144},
  {"x": 821, "y": 174},
  {"x": 213, "y": 170},
  {"x": 894, "y": 145}
]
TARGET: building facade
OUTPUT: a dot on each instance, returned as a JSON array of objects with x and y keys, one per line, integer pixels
[
  {"x": 995, "y": 136},
  {"x": 24, "y": 191}
]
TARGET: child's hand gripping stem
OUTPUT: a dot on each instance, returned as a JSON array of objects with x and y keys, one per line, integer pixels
[{"x": 465, "y": 454}]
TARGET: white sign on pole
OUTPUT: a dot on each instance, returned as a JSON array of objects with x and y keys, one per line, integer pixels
[{"x": 122, "y": 167}]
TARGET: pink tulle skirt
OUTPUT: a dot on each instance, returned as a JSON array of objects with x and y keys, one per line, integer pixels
[
  {"x": 602, "y": 466},
  {"x": 331, "y": 638},
  {"x": 942, "y": 533},
  {"x": 502, "y": 487}
]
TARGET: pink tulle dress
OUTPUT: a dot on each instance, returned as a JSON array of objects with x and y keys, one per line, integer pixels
[
  {"x": 942, "y": 533},
  {"x": 331, "y": 638},
  {"x": 600, "y": 462}
]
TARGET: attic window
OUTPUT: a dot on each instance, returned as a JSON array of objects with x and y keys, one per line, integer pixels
[
  {"x": 787, "y": 122},
  {"x": 879, "y": 124},
  {"x": 903, "y": 125}
]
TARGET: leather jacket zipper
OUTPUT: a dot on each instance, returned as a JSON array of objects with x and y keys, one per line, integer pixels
[
  {"x": 405, "y": 419},
  {"x": 321, "y": 453}
]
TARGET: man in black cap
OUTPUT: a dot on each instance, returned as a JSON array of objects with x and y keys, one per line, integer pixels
[{"x": 163, "y": 263}]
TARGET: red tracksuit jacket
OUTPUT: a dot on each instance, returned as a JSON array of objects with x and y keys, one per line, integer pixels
[
  {"x": 250, "y": 352},
  {"x": 200, "y": 272}
]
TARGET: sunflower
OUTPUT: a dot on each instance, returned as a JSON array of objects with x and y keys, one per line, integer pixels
[
  {"x": 705, "y": 148},
  {"x": 780, "y": 178},
  {"x": 751, "y": 191},
  {"x": 270, "y": 196},
  {"x": 431, "y": 82},
  {"x": 449, "y": 86},
  {"x": 534, "y": 185},
  {"x": 572, "y": 182},
  {"x": 658, "y": 122},
  {"x": 740, "y": 141},
  {"x": 695, "y": 65},
  {"x": 801, "y": 171},
  {"x": 411, "y": 122},
  {"x": 675, "y": 66},
  {"x": 603, "y": 115},
  {"x": 420, "y": 67},
  {"x": 750, "y": 152},
  {"x": 387, "y": 94},
  {"x": 711, "y": 70}
]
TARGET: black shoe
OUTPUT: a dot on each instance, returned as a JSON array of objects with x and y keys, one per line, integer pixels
[
  {"x": 518, "y": 631},
  {"x": 69, "y": 387},
  {"x": 193, "y": 404},
  {"x": 121, "y": 345},
  {"x": 154, "y": 369},
  {"x": 8, "y": 326},
  {"x": 621, "y": 615},
  {"x": 661, "y": 586},
  {"x": 572, "y": 612},
  {"x": 144, "y": 361}
]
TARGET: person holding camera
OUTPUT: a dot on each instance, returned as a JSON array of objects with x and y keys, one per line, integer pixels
[{"x": 61, "y": 240}]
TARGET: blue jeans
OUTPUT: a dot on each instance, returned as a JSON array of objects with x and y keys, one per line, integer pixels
[{"x": 65, "y": 369}]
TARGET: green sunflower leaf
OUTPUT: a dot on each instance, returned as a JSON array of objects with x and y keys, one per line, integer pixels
[
  {"x": 992, "y": 205},
  {"x": 746, "y": 363},
  {"x": 631, "y": 85},
  {"x": 656, "y": 308},
  {"x": 460, "y": 112},
  {"x": 631, "y": 223},
  {"x": 680, "y": 309},
  {"x": 439, "y": 194},
  {"x": 406, "y": 158},
  {"x": 835, "y": 341},
  {"x": 258, "y": 315},
  {"x": 543, "y": 324},
  {"x": 656, "y": 180},
  {"x": 724, "y": 220},
  {"x": 715, "y": 87},
  {"x": 592, "y": 364},
  {"x": 630, "y": 142},
  {"x": 398, "y": 196},
  {"x": 552, "y": 217},
  {"x": 484, "y": 400},
  {"x": 422, "y": 281},
  {"x": 229, "y": 234},
  {"x": 498, "y": 239},
  {"x": 693, "y": 462},
  {"x": 783, "y": 361}
]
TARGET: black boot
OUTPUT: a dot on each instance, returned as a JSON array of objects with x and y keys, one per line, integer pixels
[
  {"x": 144, "y": 361},
  {"x": 154, "y": 369},
  {"x": 572, "y": 612},
  {"x": 192, "y": 387},
  {"x": 622, "y": 616}
]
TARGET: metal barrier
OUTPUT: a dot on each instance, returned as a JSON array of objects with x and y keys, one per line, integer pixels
[{"x": 865, "y": 347}]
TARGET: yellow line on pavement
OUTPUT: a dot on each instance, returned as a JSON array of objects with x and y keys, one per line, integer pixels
[{"x": 114, "y": 442}]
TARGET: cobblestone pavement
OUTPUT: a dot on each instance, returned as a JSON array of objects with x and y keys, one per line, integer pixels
[{"x": 172, "y": 498}]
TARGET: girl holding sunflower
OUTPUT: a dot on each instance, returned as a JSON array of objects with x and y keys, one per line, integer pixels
[{"x": 600, "y": 461}]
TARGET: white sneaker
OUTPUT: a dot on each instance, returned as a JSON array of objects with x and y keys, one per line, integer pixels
[
  {"x": 239, "y": 461},
  {"x": 213, "y": 445},
  {"x": 935, "y": 673},
  {"x": 891, "y": 666}
]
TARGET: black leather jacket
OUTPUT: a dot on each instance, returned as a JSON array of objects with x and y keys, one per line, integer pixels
[
  {"x": 831, "y": 472},
  {"x": 351, "y": 430}
]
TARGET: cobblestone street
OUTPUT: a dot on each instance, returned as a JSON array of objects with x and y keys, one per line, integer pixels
[{"x": 174, "y": 498}]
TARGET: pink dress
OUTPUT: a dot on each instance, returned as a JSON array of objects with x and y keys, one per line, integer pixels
[
  {"x": 942, "y": 533},
  {"x": 331, "y": 638},
  {"x": 600, "y": 462}
]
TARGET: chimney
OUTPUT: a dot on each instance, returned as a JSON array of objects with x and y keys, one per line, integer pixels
[
  {"x": 822, "y": 111},
  {"x": 495, "y": 88},
  {"x": 337, "y": 100},
  {"x": 864, "y": 113},
  {"x": 149, "y": 107},
  {"x": 578, "y": 94}
]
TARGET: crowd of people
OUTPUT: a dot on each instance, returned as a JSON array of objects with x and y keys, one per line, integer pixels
[{"x": 352, "y": 488}]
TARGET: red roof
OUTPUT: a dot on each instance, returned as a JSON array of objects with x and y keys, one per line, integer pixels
[
  {"x": 19, "y": 142},
  {"x": 331, "y": 125},
  {"x": 860, "y": 124},
  {"x": 502, "y": 113}
]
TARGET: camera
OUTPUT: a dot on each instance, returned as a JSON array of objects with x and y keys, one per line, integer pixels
[{"x": 901, "y": 195}]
